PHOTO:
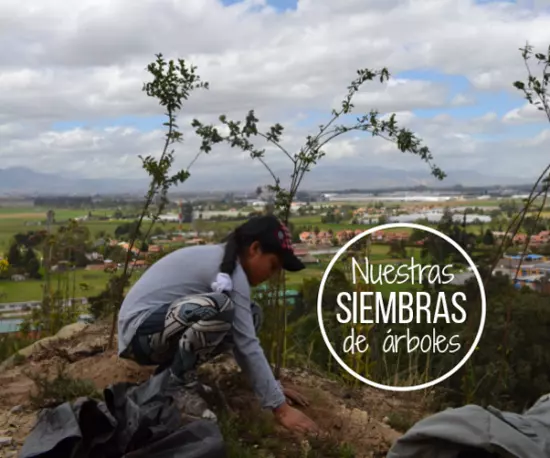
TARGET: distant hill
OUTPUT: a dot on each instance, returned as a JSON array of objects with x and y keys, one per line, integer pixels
[
  {"x": 368, "y": 177},
  {"x": 22, "y": 180}
]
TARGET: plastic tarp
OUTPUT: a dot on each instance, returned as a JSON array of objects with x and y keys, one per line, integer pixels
[
  {"x": 472, "y": 431},
  {"x": 135, "y": 421}
]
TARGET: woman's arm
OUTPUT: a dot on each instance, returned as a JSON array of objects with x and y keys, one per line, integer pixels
[{"x": 251, "y": 357}]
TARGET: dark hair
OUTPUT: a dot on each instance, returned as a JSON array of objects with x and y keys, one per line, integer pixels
[
  {"x": 270, "y": 233},
  {"x": 232, "y": 251},
  {"x": 253, "y": 230},
  {"x": 235, "y": 243}
]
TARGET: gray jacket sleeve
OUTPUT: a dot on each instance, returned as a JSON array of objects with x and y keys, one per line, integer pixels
[{"x": 250, "y": 355}]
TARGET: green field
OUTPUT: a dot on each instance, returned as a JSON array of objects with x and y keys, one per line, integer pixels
[
  {"x": 378, "y": 255},
  {"x": 24, "y": 219},
  {"x": 14, "y": 220},
  {"x": 88, "y": 283}
]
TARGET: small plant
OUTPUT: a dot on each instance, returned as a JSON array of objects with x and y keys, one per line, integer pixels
[
  {"x": 63, "y": 388},
  {"x": 401, "y": 421},
  {"x": 243, "y": 438},
  {"x": 171, "y": 85},
  {"x": 326, "y": 447},
  {"x": 536, "y": 91},
  {"x": 10, "y": 345},
  {"x": 18, "y": 359}
]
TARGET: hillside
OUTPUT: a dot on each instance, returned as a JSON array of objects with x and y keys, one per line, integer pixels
[
  {"x": 352, "y": 418},
  {"x": 22, "y": 180}
]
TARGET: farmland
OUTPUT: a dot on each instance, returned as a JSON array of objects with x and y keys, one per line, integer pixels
[
  {"x": 20, "y": 220},
  {"x": 84, "y": 284}
]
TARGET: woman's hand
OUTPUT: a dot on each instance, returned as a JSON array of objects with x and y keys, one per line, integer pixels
[
  {"x": 295, "y": 397},
  {"x": 294, "y": 420}
]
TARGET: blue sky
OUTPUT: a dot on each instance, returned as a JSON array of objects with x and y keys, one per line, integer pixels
[{"x": 283, "y": 5}]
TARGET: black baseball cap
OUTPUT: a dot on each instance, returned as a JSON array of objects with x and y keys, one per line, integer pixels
[{"x": 274, "y": 237}]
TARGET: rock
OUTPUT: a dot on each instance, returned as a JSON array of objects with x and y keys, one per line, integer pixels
[
  {"x": 70, "y": 330},
  {"x": 359, "y": 416},
  {"x": 64, "y": 333},
  {"x": 8, "y": 363},
  {"x": 5, "y": 441},
  {"x": 390, "y": 435},
  {"x": 86, "y": 349},
  {"x": 16, "y": 409},
  {"x": 386, "y": 420}
]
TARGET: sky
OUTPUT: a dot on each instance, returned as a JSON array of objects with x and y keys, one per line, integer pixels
[{"x": 71, "y": 77}]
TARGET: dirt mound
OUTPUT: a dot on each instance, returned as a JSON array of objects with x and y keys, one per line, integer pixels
[
  {"x": 351, "y": 418},
  {"x": 355, "y": 421}
]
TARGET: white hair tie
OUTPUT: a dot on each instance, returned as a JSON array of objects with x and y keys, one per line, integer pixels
[{"x": 222, "y": 283}]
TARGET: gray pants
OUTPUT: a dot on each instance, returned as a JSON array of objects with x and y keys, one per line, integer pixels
[{"x": 186, "y": 333}]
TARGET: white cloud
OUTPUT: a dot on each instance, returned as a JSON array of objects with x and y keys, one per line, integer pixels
[
  {"x": 401, "y": 95},
  {"x": 460, "y": 100},
  {"x": 85, "y": 62},
  {"x": 526, "y": 114}
]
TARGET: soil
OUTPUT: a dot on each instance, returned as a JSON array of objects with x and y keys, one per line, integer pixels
[{"x": 357, "y": 416}]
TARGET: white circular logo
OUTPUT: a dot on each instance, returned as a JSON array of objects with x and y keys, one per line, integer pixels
[{"x": 335, "y": 354}]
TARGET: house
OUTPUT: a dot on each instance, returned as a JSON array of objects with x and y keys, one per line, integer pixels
[
  {"x": 108, "y": 264},
  {"x": 323, "y": 237},
  {"x": 461, "y": 278},
  {"x": 534, "y": 282},
  {"x": 308, "y": 259},
  {"x": 536, "y": 240},
  {"x": 99, "y": 242},
  {"x": 140, "y": 264},
  {"x": 95, "y": 267},
  {"x": 125, "y": 246},
  {"x": 397, "y": 236},
  {"x": 94, "y": 257},
  {"x": 196, "y": 241},
  {"x": 345, "y": 236}
]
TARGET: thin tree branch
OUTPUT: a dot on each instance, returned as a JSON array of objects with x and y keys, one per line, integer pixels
[{"x": 278, "y": 145}]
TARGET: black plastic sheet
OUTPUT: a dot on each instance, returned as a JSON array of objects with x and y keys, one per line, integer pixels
[{"x": 135, "y": 421}]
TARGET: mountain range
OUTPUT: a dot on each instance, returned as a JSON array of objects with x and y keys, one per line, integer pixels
[
  {"x": 22, "y": 180},
  {"x": 25, "y": 181}
]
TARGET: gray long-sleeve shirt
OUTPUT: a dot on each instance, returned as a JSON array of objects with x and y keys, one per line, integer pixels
[{"x": 192, "y": 270}]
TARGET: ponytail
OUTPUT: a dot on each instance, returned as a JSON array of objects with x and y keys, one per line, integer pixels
[
  {"x": 229, "y": 261},
  {"x": 223, "y": 282}
]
